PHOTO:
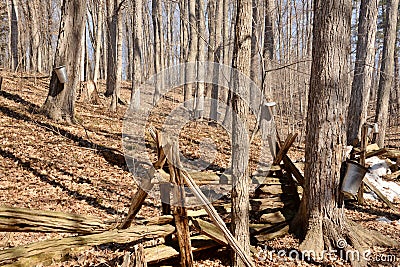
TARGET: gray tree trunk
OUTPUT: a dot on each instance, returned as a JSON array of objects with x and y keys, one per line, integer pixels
[
  {"x": 364, "y": 67},
  {"x": 201, "y": 27},
  {"x": 13, "y": 35},
  {"x": 217, "y": 59},
  {"x": 60, "y": 102},
  {"x": 158, "y": 45},
  {"x": 192, "y": 54},
  {"x": 99, "y": 33},
  {"x": 387, "y": 70},
  {"x": 137, "y": 72},
  {"x": 240, "y": 137}
]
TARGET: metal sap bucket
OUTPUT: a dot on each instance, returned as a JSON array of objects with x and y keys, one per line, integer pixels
[
  {"x": 61, "y": 74},
  {"x": 352, "y": 180}
]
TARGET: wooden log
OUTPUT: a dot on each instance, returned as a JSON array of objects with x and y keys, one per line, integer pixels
[
  {"x": 284, "y": 149},
  {"x": 155, "y": 255},
  {"x": 379, "y": 194},
  {"x": 146, "y": 185},
  {"x": 393, "y": 154},
  {"x": 275, "y": 232},
  {"x": 27, "y": 220},
  {"x": 392, "y": 176},
  {"x": 43, "y": 251},
  {"x": 274, "y": 202},
  {"x": 1, "y": 82},
  {"x": 179, "y": 211},
  {"x": 277, "y": 217},
  {"x": 217, "y": 219},
  {"x": 136, "y": 258},
  {"x": 210, "y": 230},
  {"x": 376, "y": 153},
  {"x": 291, "y": 168}
]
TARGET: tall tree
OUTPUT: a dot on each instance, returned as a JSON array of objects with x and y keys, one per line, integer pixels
[
  {"x": 268, "y": 49},
  {"x": 114, "y": 51},
  {"x": 192, "y": 53},
  {"x": 60, "y": 102},
  {"x": 99, "y": 34},
  {"x": 240, "y": 138},
  {"x": 201, "y": 28},
  {"x": 363, "y": 71},
  {"x": 217, "y": 58},
  {"x": 137, "y": 53},
  {"x": 13, "y": 34},
  {"x": 387, "y": 70},
  {"x": 320, "y": 219},
  {"x": 158, "y": 45}
]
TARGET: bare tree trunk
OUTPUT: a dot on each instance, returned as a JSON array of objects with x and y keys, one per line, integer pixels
[
  {"x": 183, "y": 34},
  {"x": 320, "y": 219},
  {"x": 255, "y": 59},
  {"x": 217, "y": 59},
  {"x": 137, "y": 54},
  {"x": 98, "y": 41},
  {"x": 118, "y": 71},
  {"x": 364, "y": 67},
  {"x": 13, "y": 35},
  {"x": 60, "y": 102},
  {"x": 387, "y": 70},
  {"x": 240, "y": 138},
  {"x": 192, "y": 54},
  {"x": 201, "y": 27},
  {"x": 112, "y": 21},
  {"x": 158, "y": 45},
  {"x": 268, "y": 50}
]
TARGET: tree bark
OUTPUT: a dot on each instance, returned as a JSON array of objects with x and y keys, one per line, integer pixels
[
  {"x": 320, "y": 219},
  {"x": 13, "y": 35},
  {"x": 387, "y": 70},
  {"x": 192, "y": 55},
  {"x": 60, "y": 102},
  {"x": 201, "y": 28},
  {"x": 99, "y": 33},
  {"x": 363, "y": 71},
  {"x": 217, "y": 60},
  {"x": 137, "y": 54},
  {"x": 240, "y": 138}
]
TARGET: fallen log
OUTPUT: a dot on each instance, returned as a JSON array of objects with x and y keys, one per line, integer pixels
[
  {"x": 393, "y": 154},
  {"x": 379, "y": 194},
  {"x": 161, "y": 253},
  {"x": 210, "y": 230},
  {"x": 28, "y": 220},
  {"x": 45, "y": 251}
]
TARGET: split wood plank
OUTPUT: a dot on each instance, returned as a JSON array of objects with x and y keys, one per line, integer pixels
[
  {"x": 155, "y": 255},
  {"x": 28, "y": 220},
  {"x": 146, "y": 185},
  {"x": 179, "y": 211},
  {"x": 217, "y": 219},
  {"x": 284, "y": 149},
  {"x": 291, "y": 168},
  {"x": 379, "y": 194},
  {"x": 45, "y": 250},
  {"x": 210, "y": 230}
]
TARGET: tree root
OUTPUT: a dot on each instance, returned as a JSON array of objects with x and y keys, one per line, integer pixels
[{"x": 336, "y": 237}]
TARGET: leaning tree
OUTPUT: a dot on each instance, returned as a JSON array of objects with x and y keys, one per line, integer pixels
[
  {"x": 321, "y": 220},
  {"x": 60, "y": 100}
]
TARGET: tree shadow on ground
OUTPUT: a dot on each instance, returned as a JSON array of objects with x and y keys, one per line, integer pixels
[
  {"x": 45, "y": 178},
  {"x": 373, "y": 211},
  {"x": 111, "y": 155}
]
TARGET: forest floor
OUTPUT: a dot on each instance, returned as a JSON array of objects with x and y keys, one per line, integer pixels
[{"x": 81, "y": 169}]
